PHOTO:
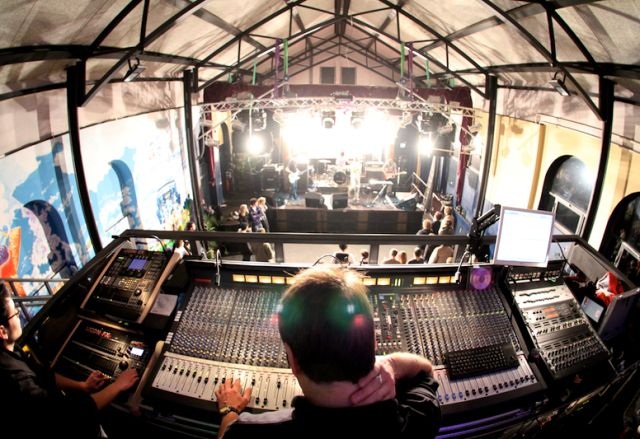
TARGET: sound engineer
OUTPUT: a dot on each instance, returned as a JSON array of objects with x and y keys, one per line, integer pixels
[
  {"x": 326, "y": 324},
  {"x": 60, "y": 406}
]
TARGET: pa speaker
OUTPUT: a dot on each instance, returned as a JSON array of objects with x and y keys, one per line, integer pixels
[
  {"x": 313, "y": 199},
  {"x": 273, "y": 198},
  {"x": 339, "y": 200}
]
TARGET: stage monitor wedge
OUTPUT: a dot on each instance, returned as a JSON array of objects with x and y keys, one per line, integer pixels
[
  {"x": 524, "y": 237},
  {"x": 340, "y": 200},
  {"x": 313, "y": 199}
]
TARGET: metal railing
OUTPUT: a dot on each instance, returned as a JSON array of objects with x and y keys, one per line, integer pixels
[{"x": 31, "y": 303}]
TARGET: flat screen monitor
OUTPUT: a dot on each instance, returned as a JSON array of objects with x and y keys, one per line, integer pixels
[{"x": 524, "y": 237}]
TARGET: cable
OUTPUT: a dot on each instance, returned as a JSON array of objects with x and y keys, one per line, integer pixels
[
  {"x": 218, "y": 264},
  {"x": 164, "y": 247},
  {"x": 458, "y": 276},
  {"x": 331, "y": 256}
]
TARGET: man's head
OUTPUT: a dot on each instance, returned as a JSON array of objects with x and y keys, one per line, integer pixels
[
  {"x": 10, "y": 326},
  {"x": 327, "y": 322}
]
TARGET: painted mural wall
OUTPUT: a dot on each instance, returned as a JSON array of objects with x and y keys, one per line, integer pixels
[{"x": 137, "y": 177}]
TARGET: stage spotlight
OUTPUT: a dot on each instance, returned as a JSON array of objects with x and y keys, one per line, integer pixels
[
  {"x": 259, "y": 120},
  {"x": 423, "y": 122},
  {"x": 256, "y": 145},
  {"x": 357, "y": 119},
  {"x": 425, "y": 144},
  {"x": 328, "y": 119}
]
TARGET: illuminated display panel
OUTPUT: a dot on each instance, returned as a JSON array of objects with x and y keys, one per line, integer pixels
[{"x": 524, "y": 237}]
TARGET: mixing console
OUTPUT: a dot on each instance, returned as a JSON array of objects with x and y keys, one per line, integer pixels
[
  {"x": 560, "y": 331},
  {"x": 224, "y": 332}
]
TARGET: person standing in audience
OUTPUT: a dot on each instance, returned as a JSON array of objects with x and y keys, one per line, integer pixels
[
  {"x": 443, "y": 253},
  {"x": 402, "y": 257},
  {"x": 417, "y": 257},
  {"x": 364, "y": 257},
  {"x": 255, "y": 215},
  {"x": 264, "y": 221},
  {"x": 427, "y": 229},
  {"x": 262, "y": 251},
  {"x": 44, "y": 403},
  {"x": 437, "y": 220},
  {"x": 343, "y": 256},
  {"x": 393, "y": 257},
  {"x": 243, "y": 218},
  {"x": 345, "y": 390},
  {"x": 448, "y": 216}
]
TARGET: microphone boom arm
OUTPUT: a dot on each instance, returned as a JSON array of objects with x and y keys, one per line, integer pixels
[{"x": 478, "y": 226}]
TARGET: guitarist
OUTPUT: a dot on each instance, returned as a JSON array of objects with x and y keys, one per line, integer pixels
[
  {"x": 293, "y": 175},
  {"x": 390, "y": 170}
]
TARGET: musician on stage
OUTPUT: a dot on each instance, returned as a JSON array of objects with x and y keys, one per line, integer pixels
[
  {"x": 355, "y": 172},
  {"x": 293, "y": 175},
  {"x": 390, "y": 170}
]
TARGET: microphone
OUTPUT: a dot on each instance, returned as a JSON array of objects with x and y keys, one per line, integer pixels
[{"x": 218, "y": 264}]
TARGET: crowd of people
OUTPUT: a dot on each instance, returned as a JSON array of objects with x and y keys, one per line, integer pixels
[
  {"x": 253, "y": 218},
  {"x": 442, "y": 224}
]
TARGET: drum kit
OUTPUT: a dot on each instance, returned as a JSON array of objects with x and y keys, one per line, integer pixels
[{"x": 330, "y": 174}]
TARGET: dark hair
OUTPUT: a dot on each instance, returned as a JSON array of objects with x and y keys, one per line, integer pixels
[
  {"x": 327, "y": 321},
  {"x": 5, "y": 296},
  {"x": 190, "y": 225},
  {"x": 342, "y": 246}
]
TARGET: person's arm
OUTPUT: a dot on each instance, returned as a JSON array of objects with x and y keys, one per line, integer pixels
[
  {"x": 380, "y": 383},
  {"x": 231, "y": 401},
  {"x": 93, "y": 383},
  {"x": 125, "y": 381}
]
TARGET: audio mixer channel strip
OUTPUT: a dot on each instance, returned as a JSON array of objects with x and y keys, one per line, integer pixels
[
  {"x": 564, "y": 338},
  {"x": 233, "y": 332}
]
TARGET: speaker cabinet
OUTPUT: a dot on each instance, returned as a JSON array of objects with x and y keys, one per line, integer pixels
[
  {"x": 339, "y": 200},
  {"x": 313, "y": 199}
]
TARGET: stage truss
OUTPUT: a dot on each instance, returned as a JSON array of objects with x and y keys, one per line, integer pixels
[{"x": 402, "y": 108}]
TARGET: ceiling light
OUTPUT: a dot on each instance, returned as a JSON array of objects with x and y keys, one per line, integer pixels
[
  {"x": 134, "y": 70},
  {"x": 559, "y": 85}
]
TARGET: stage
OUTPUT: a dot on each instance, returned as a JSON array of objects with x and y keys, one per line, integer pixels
[{"x": 338, "y": 212}]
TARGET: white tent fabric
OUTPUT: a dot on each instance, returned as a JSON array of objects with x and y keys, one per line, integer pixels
[{"x": 523, "y": 43}]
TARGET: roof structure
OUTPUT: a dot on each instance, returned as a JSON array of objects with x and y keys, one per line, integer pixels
[{"x": 525, "y": 44}]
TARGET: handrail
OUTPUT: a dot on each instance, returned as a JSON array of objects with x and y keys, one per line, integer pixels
[{"x": 27, "y": 303}]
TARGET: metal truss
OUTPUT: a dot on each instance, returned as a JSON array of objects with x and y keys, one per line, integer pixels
[{"x": 331, "y": 103}]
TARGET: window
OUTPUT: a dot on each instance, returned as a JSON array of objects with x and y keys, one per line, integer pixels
[
  {"x": 567, "y": 190},
  {"x": 568, "y": 217},
  {"x": 348, "y": 75},
  {"x": 327, "y": 75}
]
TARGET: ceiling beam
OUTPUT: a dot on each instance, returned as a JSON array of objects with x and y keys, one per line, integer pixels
[
  {"x": 153, "y": 36},
  {"x": 535, "y": 44}
]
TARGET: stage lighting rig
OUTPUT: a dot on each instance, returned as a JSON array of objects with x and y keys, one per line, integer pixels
[{"x": 328, "y": 119}]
